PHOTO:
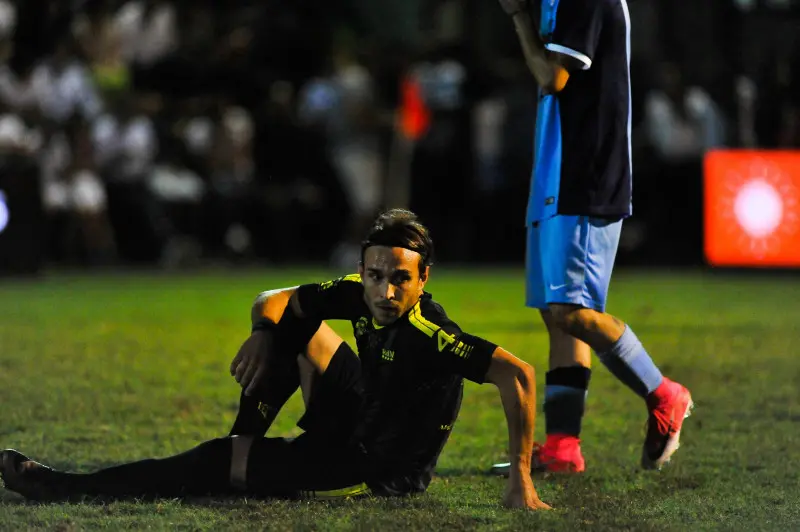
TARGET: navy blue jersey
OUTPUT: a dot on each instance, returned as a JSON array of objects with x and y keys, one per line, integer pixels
[{"x": 583, "y": 133}]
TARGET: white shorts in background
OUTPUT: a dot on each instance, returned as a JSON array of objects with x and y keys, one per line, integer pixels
[
  {"x": 361, "y": 173},
  {"x": 83, "y": 193}
]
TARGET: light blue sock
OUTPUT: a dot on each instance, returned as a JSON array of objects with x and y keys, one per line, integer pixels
[{"x": 628, "y": 361}]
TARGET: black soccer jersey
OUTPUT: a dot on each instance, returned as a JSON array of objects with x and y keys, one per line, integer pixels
[
  {"x": 412, "y": 372},
  {"x": 583, "y": 133}
]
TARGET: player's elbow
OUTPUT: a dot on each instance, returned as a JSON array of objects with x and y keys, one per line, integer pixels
[
  {"x": 508, "y": 372},
  {"x": 275, "y": 300},
  {"x": 525, "y": 376}
]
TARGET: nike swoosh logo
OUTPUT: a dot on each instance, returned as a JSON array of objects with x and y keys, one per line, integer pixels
[{"x": 553, "y": 287}]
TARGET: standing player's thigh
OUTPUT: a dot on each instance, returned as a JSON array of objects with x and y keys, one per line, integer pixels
[
  {"x": 535, "y": 296},
  {"x": 579, "y": 254}
]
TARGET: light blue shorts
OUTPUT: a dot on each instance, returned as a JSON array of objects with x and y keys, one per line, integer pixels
[{"x": 569, "y": 260}]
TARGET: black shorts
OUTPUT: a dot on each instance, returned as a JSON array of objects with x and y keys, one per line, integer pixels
[{"x": 322, "y": 462}]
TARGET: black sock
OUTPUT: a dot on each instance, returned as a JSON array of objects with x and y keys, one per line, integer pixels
[
  {"x": 204, "y": 470},
  {"x": 564, "y": 399},
  {"x": 258, "y": 411}
]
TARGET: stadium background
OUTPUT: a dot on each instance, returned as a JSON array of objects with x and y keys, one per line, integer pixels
[
  {"x": 171, "y": 134},
  {"x": 159, "y": 167}
]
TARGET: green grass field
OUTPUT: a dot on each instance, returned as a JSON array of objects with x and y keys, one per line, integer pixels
[{"x": 98, "y": 370}]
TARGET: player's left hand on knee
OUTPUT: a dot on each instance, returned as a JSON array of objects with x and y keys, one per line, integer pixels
[{"x": 250, "y": 364}]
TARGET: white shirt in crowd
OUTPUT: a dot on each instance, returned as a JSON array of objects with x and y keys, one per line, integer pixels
[
  {"x": 675, "y": 136},
  {"x": 15, "y": 92},
  {"x": 133, "y": 145},
  {"x": 16, "y": 136},
  {"x": 81, "y": 192},
  {"x": 146, "y": 38},
  {"x": 61, "y": 93},
  {"x": 8, "y": 18}
]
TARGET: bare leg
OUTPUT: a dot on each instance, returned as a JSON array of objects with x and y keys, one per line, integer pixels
[
  {"x": 566, "y": 387},
  {"x": 597, "y": 329},
  {"x": 565, "y": 350},
  {"x": 668, "y": 402},
  {"x": 616, "y": 346}
]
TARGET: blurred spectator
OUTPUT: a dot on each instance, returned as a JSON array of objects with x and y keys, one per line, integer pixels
[
  {"x": 16, "y": 136},
  {"x": 176, "y": 194},
  {"x": 443, "y": 160},
  {"x": 16, "y": 90},
  {"x": 8, "y": 19},
  {"x": 125, "y": 139},
  {"x": 233, "y": 198},
  {"x": 148, "y": 31},
  {"x": 682, "y": 122},
  {"x": 251, "y": 126},
  {"x": 75, "y": 198},
  {"x": 100, "y": 40},
  {"x": 63, "y": 86},
  {"x": 344, "y": 103},
  {"x": 126, "y": 145}
]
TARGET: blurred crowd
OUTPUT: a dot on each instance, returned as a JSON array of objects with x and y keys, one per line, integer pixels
[{"x": 171, "y": 132}]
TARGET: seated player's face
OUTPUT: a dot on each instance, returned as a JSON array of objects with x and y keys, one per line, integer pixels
[{"x": 392, "y": 284}]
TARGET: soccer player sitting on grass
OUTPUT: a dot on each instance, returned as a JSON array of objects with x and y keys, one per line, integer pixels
[{"x": 375, "y": 423}]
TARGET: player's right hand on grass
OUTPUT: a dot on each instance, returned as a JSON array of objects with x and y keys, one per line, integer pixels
[
  {"x": 520, "y": 493},
  {"x": 249, "y": 366}
]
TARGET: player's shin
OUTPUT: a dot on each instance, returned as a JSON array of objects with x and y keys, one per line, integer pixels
[
  {"x": 629, "y": 362},
  {"x": 258, "y": 411},
  {"x": 566, "y": 388},
  {"x": 564, "y": 403},
  {"x": 204, "y": 470}
]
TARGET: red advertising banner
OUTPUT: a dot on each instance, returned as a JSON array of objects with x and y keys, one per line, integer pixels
[{"x": 752, "y": 208}]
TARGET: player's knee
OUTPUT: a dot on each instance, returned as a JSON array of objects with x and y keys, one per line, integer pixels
[
  {"x": 561, "y": 317},
  {"x": 575, "y": 321},
  {"x": 549, "y": 321},
  {"x": 322, "y": 346}
]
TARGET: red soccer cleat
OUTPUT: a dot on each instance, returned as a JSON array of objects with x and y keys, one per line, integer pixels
[
  {"x": 668, "y": 406},
  {"x": 559, "y": 454}
]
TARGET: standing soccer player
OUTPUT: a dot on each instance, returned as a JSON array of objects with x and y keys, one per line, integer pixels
[{"x": 580, "y": 193}]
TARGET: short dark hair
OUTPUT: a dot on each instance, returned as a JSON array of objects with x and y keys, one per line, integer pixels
[{"x": 400, "y": 228}]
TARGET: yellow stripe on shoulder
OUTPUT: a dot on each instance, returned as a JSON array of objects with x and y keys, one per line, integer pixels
[
  {"x": 419, "y": 321},
  {"x": 352, "y": 278},
  {"x": 443, "y": 338}
]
